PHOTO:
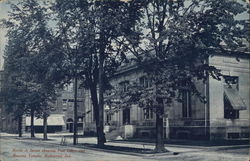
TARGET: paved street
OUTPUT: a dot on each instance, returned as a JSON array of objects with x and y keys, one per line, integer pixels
[{"x": 14, "y": 149}]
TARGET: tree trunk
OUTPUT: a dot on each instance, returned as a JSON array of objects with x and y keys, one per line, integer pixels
[
  {"x": 101, "y": 136},
  {"x": 20, "y": 122},
  {"x": 45, "y": 126},
  {"x": 32, "y": 128},
  {"x": 94, "y": 99},
  {"x": 159, "y": 144},
  {"x": 75, "y": 114}
]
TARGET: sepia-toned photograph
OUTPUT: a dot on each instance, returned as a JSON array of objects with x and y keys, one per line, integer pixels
[{"x": 124, "y": 80}]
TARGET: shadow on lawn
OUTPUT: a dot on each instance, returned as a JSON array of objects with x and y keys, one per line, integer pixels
[{"x": 124, "y": 149}]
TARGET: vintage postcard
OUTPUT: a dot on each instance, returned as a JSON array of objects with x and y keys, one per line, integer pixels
[{"x": 127, "y": 80}]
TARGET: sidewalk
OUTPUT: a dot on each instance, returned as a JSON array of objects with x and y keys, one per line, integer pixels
[{"x": 67, "y": 139}]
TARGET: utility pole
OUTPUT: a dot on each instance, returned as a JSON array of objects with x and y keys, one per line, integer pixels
[{"x": 75, "y": 113}]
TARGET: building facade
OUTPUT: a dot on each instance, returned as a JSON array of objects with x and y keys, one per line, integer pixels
[
  {"x": 229, "y": 106},
  {"x": 61, "y": 118},
  {"x": 224, "y": 116},
  {"x": 65, "y": 105}
]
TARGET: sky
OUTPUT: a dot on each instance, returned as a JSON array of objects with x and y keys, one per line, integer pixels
[{"x": 3, "y": 14}]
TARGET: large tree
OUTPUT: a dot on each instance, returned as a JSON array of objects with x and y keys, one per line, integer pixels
[
  {"x": 176, "y": 39},
  {"x": 88, "y": 30},
  {"x": 27, "y": 62}
]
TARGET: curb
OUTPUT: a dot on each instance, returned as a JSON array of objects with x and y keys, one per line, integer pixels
[
  {"x": 167, "y": 145},
  {"x": 130, "y": 153},
  {"x": 187, "y": 146},
  {"x": 40, "y": 141}
]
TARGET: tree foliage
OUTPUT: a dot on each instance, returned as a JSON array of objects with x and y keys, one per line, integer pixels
[
  {"x": 176, "y": 39},
  {"x": 52, "y": 44},
  {"x": 87, "y": 32},
  {"x": 29, "y": 82}
]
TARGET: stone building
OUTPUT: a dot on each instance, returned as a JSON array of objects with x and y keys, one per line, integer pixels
[
  {"x": 229, "y": 106},
  {"x": 225, "y": 116}
]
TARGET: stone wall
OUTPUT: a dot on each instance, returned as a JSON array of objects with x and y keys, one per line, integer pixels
[{"x": 221, "y": 128}]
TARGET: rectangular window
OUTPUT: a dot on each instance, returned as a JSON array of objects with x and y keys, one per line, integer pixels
[
  {"x": 231, "y": 114},
  {"x": 64, "y": 102},
  {"x": 124, "y": 86},
  {"x": 145, "y": 82},
  {"x": 148, "y": 114},
  {"x": 186, "y": 104},
  {"x": 229, "y": 111},
  {"x": 231, "y": 82},
  {"x": 108, "y": 118},
  {"x": 232, "y": 101}
]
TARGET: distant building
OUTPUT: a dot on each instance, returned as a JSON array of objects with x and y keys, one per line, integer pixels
[
  {"x": 225, "y": 116},
  {"x": 65, "y": 105},
  {"x": 62, "y": 112}
]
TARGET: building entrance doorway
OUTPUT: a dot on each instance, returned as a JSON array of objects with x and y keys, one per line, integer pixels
[
  {"x": 126, "y": 116},
  {"x": 69, "y": 124}
]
